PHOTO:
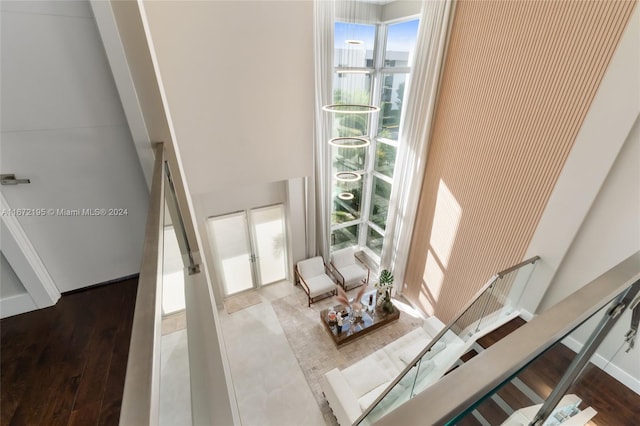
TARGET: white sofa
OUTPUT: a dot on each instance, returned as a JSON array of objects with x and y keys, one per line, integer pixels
[{"x": 351, "y": 391}]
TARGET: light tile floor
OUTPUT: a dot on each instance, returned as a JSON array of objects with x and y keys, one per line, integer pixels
[{"x": 269, "y": 384}]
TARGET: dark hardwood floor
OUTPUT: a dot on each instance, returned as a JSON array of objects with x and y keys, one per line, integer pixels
[
  {"x": 66, "y": 365},
  {"x": 616, "y": 404}
]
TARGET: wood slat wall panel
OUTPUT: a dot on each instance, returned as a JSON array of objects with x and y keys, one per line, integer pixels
[{"x": 519, "y": 79}]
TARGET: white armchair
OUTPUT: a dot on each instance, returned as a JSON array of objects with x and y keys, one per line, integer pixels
[
  {"x": 351, "y": 272},
  {"x": 312, "y": 276}
]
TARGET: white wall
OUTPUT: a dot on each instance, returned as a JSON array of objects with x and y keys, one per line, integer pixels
[
  {"x": 400, "y": 9},
  {"x": 611, "y": 230},
  {"x": 231, "y": 200},
  {"x": 63, "y": 127},
  {"x": 239, "y": 197},
  {"x": 606, "y": 127},
  {"x": 238, "y": 77},
  {"x": 610, "y": 233},
  {"x": 296, "y": 220},
  {"x": 591, "y": 221},
  {"x": 375, "y": 12}
]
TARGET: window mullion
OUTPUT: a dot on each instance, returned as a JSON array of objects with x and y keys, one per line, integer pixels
[
  {"x": 376, "y": 90},
  {"x": 378, "y": 71},
  {"x": 396, "y": 70},
  {"x": 381, "y": 39},
  {"x": 345, "y": 224},
  {"x": 381, "y": 176},
  {"x": 389, "y": 142}
]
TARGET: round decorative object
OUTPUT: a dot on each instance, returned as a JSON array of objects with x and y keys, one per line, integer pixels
[
  {"x": 387, "y": 306},
  {"x": 353, "y": 142},
  {"x": 351, "y": 108},
  {"x": 348, "y": 177},
  {"x": 354, "y": 42},
  {"x": 332, "y": 317},
  {"x": 346, "y": 196}
]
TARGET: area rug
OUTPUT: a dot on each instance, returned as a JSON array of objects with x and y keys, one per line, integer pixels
[
  {"x": 314, "y": 348},
  {"x": 241, "y": 301},
  {"x": 174, "y": 322}
]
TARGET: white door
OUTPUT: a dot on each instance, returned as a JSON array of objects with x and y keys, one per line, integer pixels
[
  {"x": 250, "y": 247},
  {"x": 230, "y": 236},
  {"x": 63, "y": 128},
  {"x": 269, "y": 243}
]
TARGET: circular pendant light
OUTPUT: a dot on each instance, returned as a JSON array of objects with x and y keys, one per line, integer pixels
[
  {"x": 346, "y": 196},
  {"x": 348, "y": 177},
  {"x": 351, "y": 108},
  {"x": 349, "y": 142}
]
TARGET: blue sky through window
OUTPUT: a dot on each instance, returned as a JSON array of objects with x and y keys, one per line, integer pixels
[
  {"x": 401, "y": 37},
  {"x": 345, "y": 31}
]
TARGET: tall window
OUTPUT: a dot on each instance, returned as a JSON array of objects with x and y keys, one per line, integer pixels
[{"x": 372, "y": 66}]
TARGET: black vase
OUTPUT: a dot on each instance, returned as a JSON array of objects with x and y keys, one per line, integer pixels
[{"x": 387, "y": 306}]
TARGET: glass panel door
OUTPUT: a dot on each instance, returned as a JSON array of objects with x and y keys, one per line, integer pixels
[
  {"x": 269, "y": 243},
  {"x": 230, "y": 239}
]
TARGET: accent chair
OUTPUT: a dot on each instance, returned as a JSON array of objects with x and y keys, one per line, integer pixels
[
  {"x": 313, "y": 276},
  {"x": 350, "y": 270}
]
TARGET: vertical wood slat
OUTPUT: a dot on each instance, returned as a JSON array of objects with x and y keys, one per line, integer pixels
[{"x": 518, "y": 82}]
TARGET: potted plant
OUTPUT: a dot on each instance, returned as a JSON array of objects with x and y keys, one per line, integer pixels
[{"x": 384, "y": 286}]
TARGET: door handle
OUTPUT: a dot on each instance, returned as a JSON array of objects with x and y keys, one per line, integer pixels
[{"x": 10, "y": 179}]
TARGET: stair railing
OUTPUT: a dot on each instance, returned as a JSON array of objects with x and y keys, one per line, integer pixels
[
  {"x": 463, "y": 389},
  {"x": 497, "y": 298}
]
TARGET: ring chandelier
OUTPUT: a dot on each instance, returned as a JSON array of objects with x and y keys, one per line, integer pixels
[
  {"x": 351, "y": 108},
  {"x": 346, "y": 196},
  {"x": 349, "y": 142},
  {"x": 348, "y": 177}
]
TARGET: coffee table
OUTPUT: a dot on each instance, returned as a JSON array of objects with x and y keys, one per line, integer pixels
[{"x": 372, "y": 319}]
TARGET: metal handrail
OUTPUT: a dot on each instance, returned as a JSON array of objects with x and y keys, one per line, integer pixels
[
  {"x": 463, "y": 387},
  {"x": 438, "y": 336},
  {"x": 142, "y": 382},
  {"x": 507, "y": 271}
]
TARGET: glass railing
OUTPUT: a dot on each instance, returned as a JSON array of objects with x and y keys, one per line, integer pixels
[
  {"x": 564, "y": 384},
  {"x": 175, "y": 333},
  {"x": 546, "y": 372},
  {"x": 494, "y": 305},
  {"x": 177, "y": 264}
]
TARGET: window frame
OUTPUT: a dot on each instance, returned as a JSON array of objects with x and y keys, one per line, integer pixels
[{"x": 377, "y": 73}]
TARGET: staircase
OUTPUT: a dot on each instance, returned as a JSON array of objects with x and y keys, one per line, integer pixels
[
  {"x": 493, "y": 306},
  {"x": 489, "y": 367}
]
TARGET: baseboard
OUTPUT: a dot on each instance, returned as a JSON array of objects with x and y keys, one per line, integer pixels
[
  {"x": 113, "y": 281},
  {"x": 602, "y": 363},
  {"x": 526, "y": 315},
  {"x": 15, "y": 305}
]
